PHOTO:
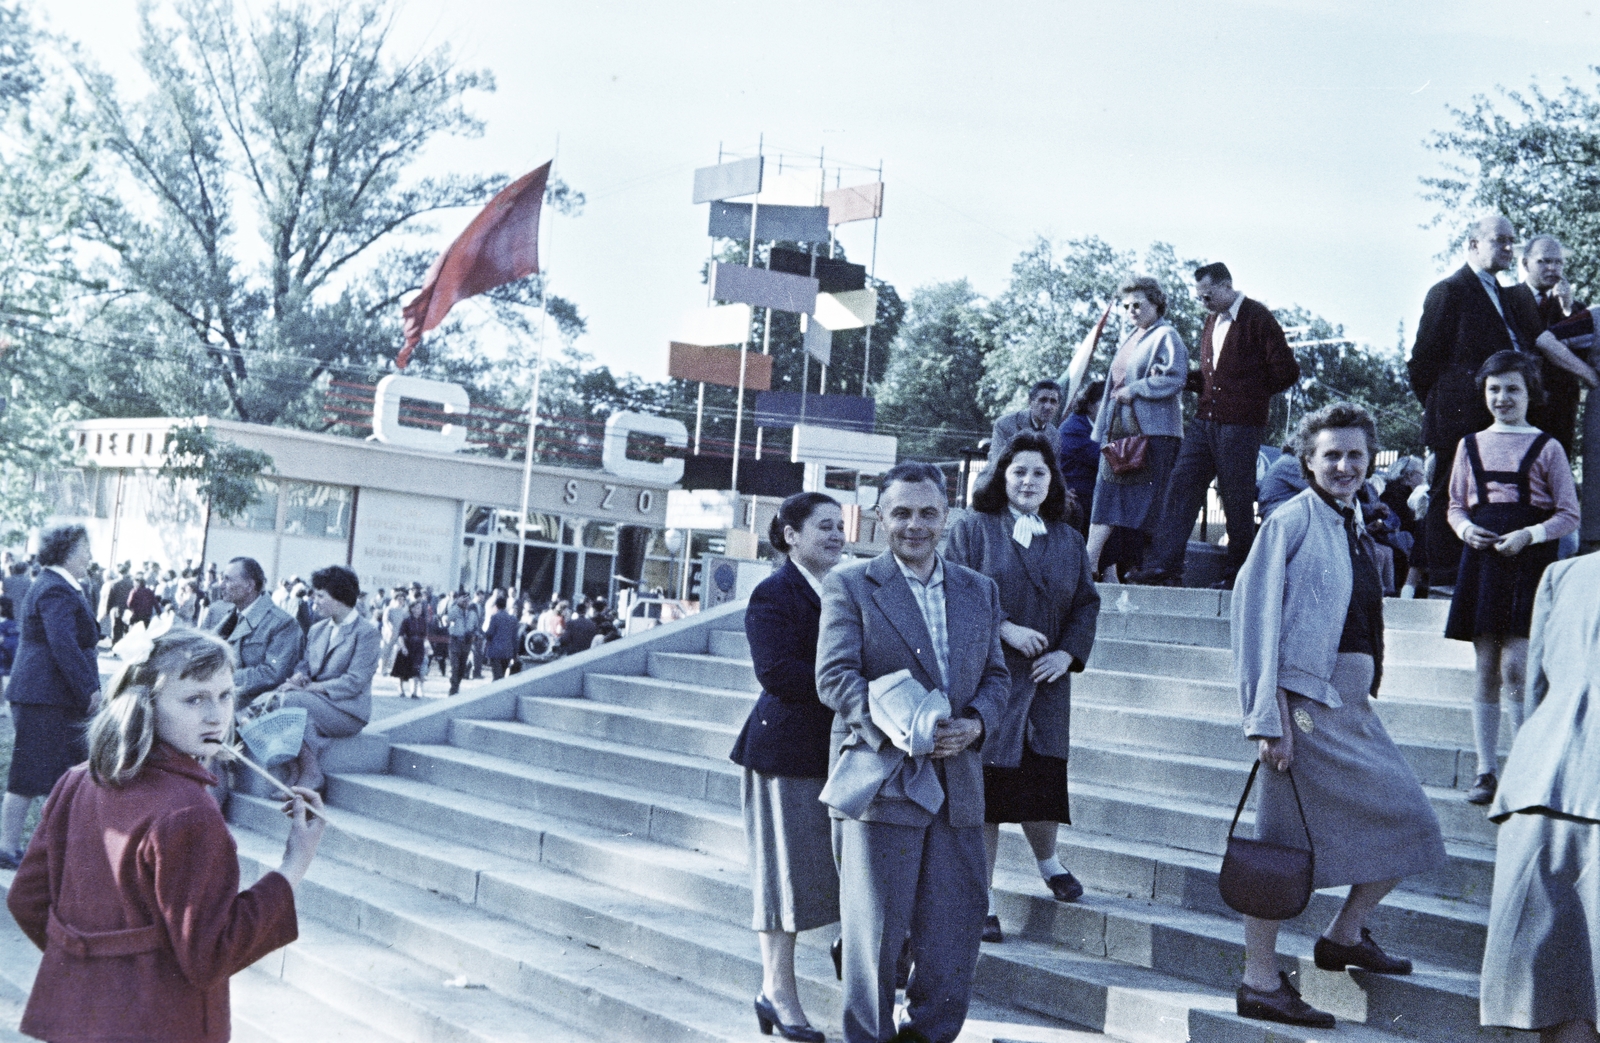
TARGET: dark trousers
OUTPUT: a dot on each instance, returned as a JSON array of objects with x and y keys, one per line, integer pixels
[
  {"x": 1226, "y": 452},
  {"x": 460, "y": 648},
  {"x": 1443, "y": 548},
  {"x": 497, "y": 667}
]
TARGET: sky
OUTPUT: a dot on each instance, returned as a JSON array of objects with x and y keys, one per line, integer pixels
[{"x": 1284, "y": 138}]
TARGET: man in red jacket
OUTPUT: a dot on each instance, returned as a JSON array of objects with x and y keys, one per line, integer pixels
[{"x": 1244, "y": 361}]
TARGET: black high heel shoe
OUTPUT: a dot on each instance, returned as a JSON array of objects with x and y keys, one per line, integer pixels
[{"x": 767, "y": 1018}]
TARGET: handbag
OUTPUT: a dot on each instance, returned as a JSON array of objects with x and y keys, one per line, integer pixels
[
  {"x": 1126, "y": 456},
  {"x": 1264, "y": 880}
]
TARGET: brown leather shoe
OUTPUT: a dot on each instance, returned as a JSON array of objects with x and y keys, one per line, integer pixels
[
  {"x": 1331, "y": 956},
  {"x": 1282, "y": 1004}
]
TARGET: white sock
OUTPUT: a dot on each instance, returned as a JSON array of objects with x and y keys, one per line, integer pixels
[
  {"x": 1514, "y": 708},
  {"x": 1486, "y": 730},
  {"x": 1049, "y": 867}
]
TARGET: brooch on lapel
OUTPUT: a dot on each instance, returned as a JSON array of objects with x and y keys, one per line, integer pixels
[{"x": 1303, "y": 721}]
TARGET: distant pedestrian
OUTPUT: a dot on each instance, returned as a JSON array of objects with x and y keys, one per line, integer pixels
[
  {"x": 411, "y": 658},
  {"x": 500, "y": 638},
  {"x": 10, "y": 637},
  {"x": 16, "y": 583},
  {"x": 142, "y": 603},
  {"x": 1044, "y": 403},
  {"x": 461, "y": 622},
  {"x": 579, "y": 633},
  {"x": 1079, "y": 456}
]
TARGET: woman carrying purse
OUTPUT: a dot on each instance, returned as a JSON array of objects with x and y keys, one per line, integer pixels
[
  {"x": 1142, "y": 404},
  {"x": 1304, "y": 687}
]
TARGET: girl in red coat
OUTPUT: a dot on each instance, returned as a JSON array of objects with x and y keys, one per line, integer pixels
[{"x": 131, "y": 883}]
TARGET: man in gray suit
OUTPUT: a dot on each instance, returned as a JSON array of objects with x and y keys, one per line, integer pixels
[
  {"x": 265, "y": 638},
  {"x": 912, "y": 864}
]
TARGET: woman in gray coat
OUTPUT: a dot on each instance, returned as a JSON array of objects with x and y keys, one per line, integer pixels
[
  {"x": 1143, "y": 396},
  {"x": 1019, "y": 535},
  {"x": 1540, "y": 968},
  {"x": 1308, "y": 648}
]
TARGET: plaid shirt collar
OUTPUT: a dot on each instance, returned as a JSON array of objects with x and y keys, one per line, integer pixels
[{"x": 930, "y": 600}]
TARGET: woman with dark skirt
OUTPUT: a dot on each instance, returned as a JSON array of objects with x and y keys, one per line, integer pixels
[
  {"x": 1512, "y": 498},
  {"x": 55, "y": 681},
  {"x": 1019, "y": 534},
  {"x": 784, "y": 751},
  {"x": 1307, "y": 623},
  {"x": 411, "y": 660}
]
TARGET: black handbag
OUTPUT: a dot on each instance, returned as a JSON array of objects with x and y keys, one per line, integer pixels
[{"x": 1264, "y": 880}]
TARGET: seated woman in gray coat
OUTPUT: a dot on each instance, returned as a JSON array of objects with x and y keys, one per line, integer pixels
[
  {"x": 1541, "y": 970},
  {"x": 1018, "y": 535},
  {"x": 1143, "y": 396},
  {"x": 1305, "y": 680},
  {"x": 333, "y": 682}
]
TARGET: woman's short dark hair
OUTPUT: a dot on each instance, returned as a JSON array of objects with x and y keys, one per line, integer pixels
[
  {"x": 339, "y": 582},
  {"x": 793, "y": 513},
  {"x": 1089, "y": 398},
  {"x": 1503, "y": 362},
  {"x": 1149, "y": 287},
  {"x": 990, "y": 496},
  {"x": 57, "y": 543},
  {"x": 1333, "y": 417}
]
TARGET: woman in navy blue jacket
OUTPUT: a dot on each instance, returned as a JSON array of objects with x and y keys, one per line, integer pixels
[
  {"x": 784, "y": 751},
  {"x": 55, "y": 681}
]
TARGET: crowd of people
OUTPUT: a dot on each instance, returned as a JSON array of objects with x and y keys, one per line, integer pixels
[{"x": 912, "y": 703}]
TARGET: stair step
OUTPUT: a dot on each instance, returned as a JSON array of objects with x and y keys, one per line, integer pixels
[
  {"x": 660, "y": 771},
  {"x": 415, "y": 813},
  {"x": 730, "y": 644},
  {"x": 737, "y": 675},
  {"x": 626, "y": 724},
  {"x": 267, "y": 1009},
  {"x": 697, "y": 702},
  {"x": 598, "y": 994},
  {"x": 683, "y": 821}
]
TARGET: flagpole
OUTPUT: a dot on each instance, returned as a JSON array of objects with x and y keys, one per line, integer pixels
[
  {"x": 533, "y": 399},
  {"x": 744, "y": 349},
  {"x": 866, "y": 366}
]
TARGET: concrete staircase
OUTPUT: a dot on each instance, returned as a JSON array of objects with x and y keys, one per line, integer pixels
[{"x": 561, "y": 858}]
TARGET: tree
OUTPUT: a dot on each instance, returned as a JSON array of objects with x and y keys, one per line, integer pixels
[
  {"x": 224, "y": 474},
  {"x": 1334, "y": 368},
  {"x": 249, "y": 214},
  {"x": 1532, "y": 156},
  {"x": 935, "y": 364}
]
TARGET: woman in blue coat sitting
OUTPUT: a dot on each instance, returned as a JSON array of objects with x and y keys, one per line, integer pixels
[{"x": 784, "y": 751}]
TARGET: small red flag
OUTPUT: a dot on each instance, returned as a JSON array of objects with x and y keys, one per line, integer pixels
[{"x": 501, "y": 245}]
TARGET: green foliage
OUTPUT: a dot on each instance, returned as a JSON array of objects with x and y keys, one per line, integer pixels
[
  {"x": 1533, "y": 156},
  {"x": 927, "y": 395},
  {"x": 1334, "y": 368},
  {"x": 224, "y": 474}
]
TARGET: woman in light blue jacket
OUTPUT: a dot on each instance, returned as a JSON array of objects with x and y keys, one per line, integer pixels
[
  {"x": 1308, "y": 648},
  {"x": 1143, "y": 396}
]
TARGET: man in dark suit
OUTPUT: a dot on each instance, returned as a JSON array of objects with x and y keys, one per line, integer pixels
[
  {"x": 500, "y": 638},
  {"x": 1565, "y": 374},
  {"x": 266, "y": 640},
  {"x": 1244, "y": 360},
  {"x": 116, "y": 602},
  {"x": 912, "y": 863},
  {"x": 1466, "y": 318}
]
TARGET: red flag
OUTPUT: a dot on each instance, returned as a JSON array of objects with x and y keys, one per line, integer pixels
[{"x": 501, "y": 245}]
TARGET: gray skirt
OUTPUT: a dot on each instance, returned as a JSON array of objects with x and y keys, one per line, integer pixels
[
  {"x": 1368, "y": 816},
  {"x": 1136, "y": 506},
  {"x": 794, "y": 885},
  {"x": 1539, "y": 966}
]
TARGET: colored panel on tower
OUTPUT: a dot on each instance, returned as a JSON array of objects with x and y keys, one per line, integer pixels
[
  {"x": 726, "y": 180},
  {"x": 832, "y": 276},
  {"x": 818, "y": 341},
  {"x": 762, "y": 288},
  {"x": 719, "y": 366},
  {"x": 787, "y": 408},
  {"x": 871, "y": 454},
  {"x": 856, "y": 203},
  {"x": 847, "y": 311},
  {"x": 709, "y": 327},
  {"x": 803, "y": 224}
]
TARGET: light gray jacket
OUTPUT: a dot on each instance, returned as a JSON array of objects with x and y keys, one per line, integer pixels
[
  {"x": 1290, "y": 600},
  {"x": 1554, "y": 762},
  {"x": 1156, "y": 375},
  {"x": 871, "y": 627},
  {"x": 343, "y": 660}
]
